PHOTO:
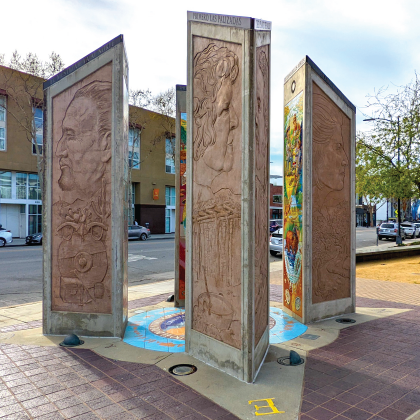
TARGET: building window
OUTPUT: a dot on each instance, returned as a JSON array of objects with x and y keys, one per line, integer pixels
[
  {"x": 134, "y": 148},
  {"x": 170, "y": 156},
  {"x": 277, "y": 199},
  {"x": 35, "y": 219},
  {"x": 21, "y": 186},
  {"x": 2, "y": 122},
  {"x": 34, "y": 187},
  {"x": 38, "y": 125},
  {"x": 170, "y": 196},
  {"x": 5, "y": 184}
]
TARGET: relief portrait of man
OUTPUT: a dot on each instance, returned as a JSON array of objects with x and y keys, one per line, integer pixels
[
  {"x": 217, "y": 190},
  {"x": 81, "y": 195},
  {"x": 84, "y": 149},
  {"x": 331, "y": 200}
]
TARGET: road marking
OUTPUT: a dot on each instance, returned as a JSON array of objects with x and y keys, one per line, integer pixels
[
  {"x": 132, "y": 257},
  {"x": 270, "y": 405}
]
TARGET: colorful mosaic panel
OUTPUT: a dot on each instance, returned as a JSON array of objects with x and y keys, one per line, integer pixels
[
  {"x": 182, "y": 205},
  {"x": 164, "y": 329},
  {"x": 292, "y": 226}
]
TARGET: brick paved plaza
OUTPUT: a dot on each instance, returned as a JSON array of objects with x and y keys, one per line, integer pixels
[{"x": 371, "y": 371}]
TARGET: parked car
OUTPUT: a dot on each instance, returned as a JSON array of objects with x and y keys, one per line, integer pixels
[
  {"x": 138, "y": 232},
  {"x": 276, "y": 242},
  {"x": 35, "y": 238},
  {"x": 5, "y": 236},
  {"x": 389, "y": 230},
  {"x": 418, "y": 229},
  {"x": 275, "y": 225},
  {"x": 409, "y": 229}
]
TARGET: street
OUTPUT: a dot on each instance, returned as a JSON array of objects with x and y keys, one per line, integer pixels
[
  {"x": 21, "y": 268},
  {"x": 148, "y": 261}
]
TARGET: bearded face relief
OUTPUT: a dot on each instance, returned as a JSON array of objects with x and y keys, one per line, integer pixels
[
  {"x": 217, "y": 189},
  {"x": 81, "y": 195}
]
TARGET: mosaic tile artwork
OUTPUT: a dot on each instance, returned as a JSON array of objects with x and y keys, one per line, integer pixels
[
  {"x": 164, "y": 329},
  {"x": 159, "y": 330}
]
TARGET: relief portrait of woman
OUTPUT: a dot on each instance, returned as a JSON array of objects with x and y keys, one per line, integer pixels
[{"x": 217, "y": 190}]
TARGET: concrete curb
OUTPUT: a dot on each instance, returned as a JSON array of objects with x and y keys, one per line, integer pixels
[
  {"x": 152, "y": 238},
  {"x": 400, "y": 252}
]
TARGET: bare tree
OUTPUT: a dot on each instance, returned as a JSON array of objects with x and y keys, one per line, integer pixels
[{"x": 22, "y": 81}]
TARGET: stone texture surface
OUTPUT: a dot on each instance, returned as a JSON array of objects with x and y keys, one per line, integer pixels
[
  {"x": 262, "y": 109},
  {"x": 216, "y": 194},
  {"x": 81, "y": 194},
  {"x": 331, "y": 196}
]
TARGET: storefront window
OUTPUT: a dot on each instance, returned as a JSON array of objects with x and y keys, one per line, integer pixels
[
  {"x": 35, "y": 219},
  {"x": 21, "y": 186},
  {"x": 5, "y": 184},
  {"x": 34, "y": 187},
  {"x": 170, "y": 196}
]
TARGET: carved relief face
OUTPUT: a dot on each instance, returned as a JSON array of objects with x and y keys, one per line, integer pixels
[
  {"x": 333, "y": 156},
  {"x": 220, "y": 155},
  {"x": 80, "y": 146}
]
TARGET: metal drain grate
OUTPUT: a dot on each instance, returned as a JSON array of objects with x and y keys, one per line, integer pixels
[
  {"x": 345, "y": 320},
  {"x": 182, "y": 370}
]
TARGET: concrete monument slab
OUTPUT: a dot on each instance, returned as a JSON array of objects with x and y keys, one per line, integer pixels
[
  {"x": 85, "y": 212},
  {"x": 227, "y": 302},
  {"x": 319, "y": 194}
]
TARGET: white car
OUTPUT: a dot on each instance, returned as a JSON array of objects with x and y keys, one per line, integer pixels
[
  {"x": 409, "y": 229},
  {"x": 5, "y": 236},
  {"x": 417, "y": 225},
  {"x": 276, "y": 242}
]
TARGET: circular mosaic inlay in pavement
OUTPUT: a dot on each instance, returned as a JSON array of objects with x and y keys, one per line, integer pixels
[{"x": 164, "y": 329}]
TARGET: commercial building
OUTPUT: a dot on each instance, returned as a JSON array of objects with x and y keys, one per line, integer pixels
[{"x": 151, "y": 159}]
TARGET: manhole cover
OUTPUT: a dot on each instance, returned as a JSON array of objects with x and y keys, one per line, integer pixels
[
  {"x": 345, "y": 320},
  {"x": 182, "y": 370},
  {"x": 309, "y": 336}
]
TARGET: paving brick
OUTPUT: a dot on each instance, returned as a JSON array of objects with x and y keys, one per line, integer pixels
[
  {"x": 144, "y": 410},
  {"x": 35, "y": 402},
  {"x": 42, "y": 410},
  {"x": 87, "y": 416},
  {"x": 109, "y": 410},
  {"x": 214, "y": 412},
  {"x": 11, "y": 410},
  {"x": 67, "y": 402},
  {"x": 99, "y": 403},
  {"x": 199, "y": 403},
  {"x": 52, "y": 416},
  {"x": 355, "y": 413},
  {"x": 187, "y": 396},
  {"x": 75, "y": 410}
]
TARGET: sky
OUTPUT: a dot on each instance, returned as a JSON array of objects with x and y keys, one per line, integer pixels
[{"x": 362, "y": 45}]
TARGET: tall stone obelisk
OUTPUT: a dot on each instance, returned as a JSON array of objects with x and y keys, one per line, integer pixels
[
  {"x": 319, "y": 196},
  {"x": 85, "y": 196},
  {"x": 228, "y": 108}
]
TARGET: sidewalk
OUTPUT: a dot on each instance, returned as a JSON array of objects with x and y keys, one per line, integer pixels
[{"x": 368, "y": 371}]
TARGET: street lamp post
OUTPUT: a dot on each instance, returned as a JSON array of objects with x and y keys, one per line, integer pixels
[{"x": 398, "y": 239}]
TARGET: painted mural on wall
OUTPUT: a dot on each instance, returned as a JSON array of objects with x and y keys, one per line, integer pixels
[
  {"x": 331, "y": 211},
  {"x": 182, "y": 204},
  {"x": 216, "y": 191},
  {"x": 292, "y": 226},
  {"x": 81, "y": 195},
  {"x": 262, "y": 122}
]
